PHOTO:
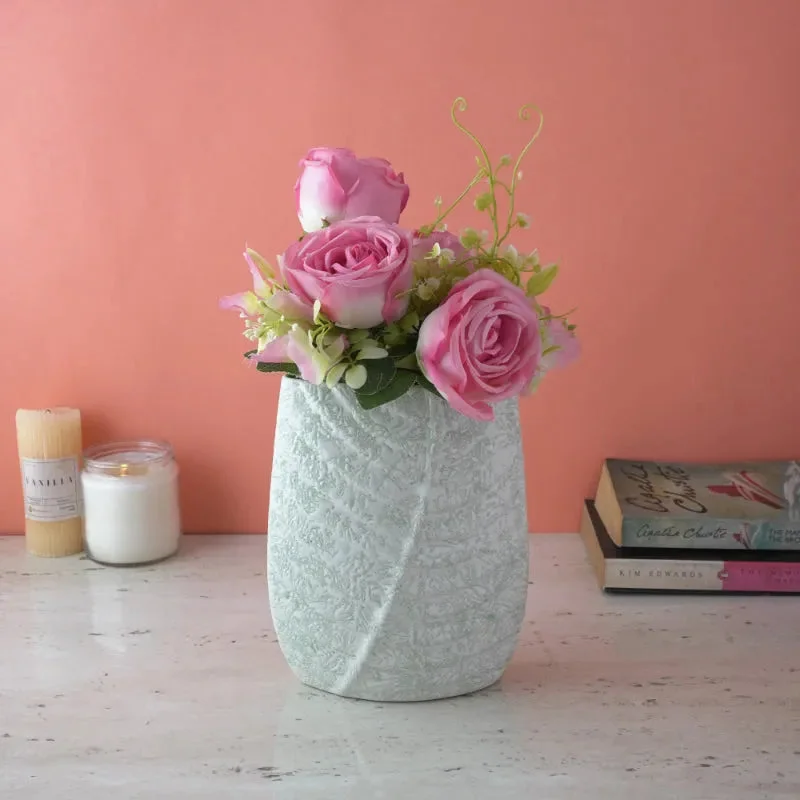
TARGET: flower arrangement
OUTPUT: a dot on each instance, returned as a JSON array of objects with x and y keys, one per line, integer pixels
[{"x": 362, "y": 301}]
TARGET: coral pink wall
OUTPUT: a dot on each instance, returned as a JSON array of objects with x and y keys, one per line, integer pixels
[{"x": 142, "y": 143}]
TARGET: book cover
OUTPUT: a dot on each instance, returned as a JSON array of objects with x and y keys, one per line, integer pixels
[
  {"x": 746, "y": 505},
  {"x": 672, "y": 570}
]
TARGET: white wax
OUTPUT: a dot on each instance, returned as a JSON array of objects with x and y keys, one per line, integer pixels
[{"x": 132, "y": 519}]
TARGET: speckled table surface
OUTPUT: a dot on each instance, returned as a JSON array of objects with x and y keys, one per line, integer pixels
[{"x": 167, "y": 682}]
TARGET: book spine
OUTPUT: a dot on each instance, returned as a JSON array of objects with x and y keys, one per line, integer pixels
[
  {"x": 710, "y": 534},
  {"x": 702, "y": 576}
]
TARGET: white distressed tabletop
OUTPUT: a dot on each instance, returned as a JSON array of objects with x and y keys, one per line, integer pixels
[{"x": 167, "y": 681}]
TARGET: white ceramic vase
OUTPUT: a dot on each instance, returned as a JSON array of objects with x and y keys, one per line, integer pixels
[{"x": 397, "y": 543}]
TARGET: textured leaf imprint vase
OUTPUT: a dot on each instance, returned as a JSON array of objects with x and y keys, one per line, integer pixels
[{"x": 398, "y": 547}]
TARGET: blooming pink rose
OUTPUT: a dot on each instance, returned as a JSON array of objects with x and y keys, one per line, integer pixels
[
  {"x": 359, "y": 270},
  {"x": 336, "y": 185},
  {"x": 482, "y": 345}
]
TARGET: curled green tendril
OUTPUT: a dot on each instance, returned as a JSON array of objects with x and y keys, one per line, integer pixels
[
  {"x": 488, "y": 172},
  {"x": 460, "y": 105}
]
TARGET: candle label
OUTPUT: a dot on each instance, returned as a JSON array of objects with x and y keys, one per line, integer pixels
[{"x": 52, "y": 488}]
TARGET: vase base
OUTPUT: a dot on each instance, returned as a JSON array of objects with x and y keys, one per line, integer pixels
[{"x": 415, "y": 695}]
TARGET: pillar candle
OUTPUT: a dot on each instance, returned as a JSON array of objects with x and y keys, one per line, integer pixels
[{"x": 49, "y": 445}]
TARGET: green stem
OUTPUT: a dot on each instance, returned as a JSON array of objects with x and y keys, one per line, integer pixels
[
  {"x": 460, "y": 105},
  {"x": 441, "y": 217},
  {"x": 493, "y": 212},
  {"x": 564, "y": 315},
  {"x": 524, "y": 115}
]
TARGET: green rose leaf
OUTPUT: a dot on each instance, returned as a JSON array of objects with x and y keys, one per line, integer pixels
[
  {"x": 380, "y": 373},
  {"x": 401, "y": 383},
  {"x": 408, "y": 362},
  {"x": 289, "y": 369},
  {"x": 372, "y": 353},
  {"x": 393, "y": 336},
  {"x": 358, "y": 335},
  {"x": 403, "y": 350},
  {"x": 540, "y": 282},
  {"x": 410, "y": 321}
]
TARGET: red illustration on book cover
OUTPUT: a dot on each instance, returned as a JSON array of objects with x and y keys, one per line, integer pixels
[{"x": 743, "y": 484}]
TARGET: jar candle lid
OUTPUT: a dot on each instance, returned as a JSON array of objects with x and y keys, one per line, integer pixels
[{"x": 122, "y": 459}]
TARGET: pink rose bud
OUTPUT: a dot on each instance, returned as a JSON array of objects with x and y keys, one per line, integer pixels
[
  {"x": 482, "y": 345},
  {"x": 335, "y": 185},
  {"x": 359, "y": 269}
]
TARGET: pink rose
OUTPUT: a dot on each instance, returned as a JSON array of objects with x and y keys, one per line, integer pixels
[
  {"x": 336, "y": 185},
  {"x": 482, "y": 345},
  {"x": 358, "y": 269}
]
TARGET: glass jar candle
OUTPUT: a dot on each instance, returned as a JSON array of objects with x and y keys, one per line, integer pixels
[{"x": 130, "y": 499}]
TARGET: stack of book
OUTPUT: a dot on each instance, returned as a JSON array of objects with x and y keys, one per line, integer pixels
[{"x": 695, "y": 528}]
